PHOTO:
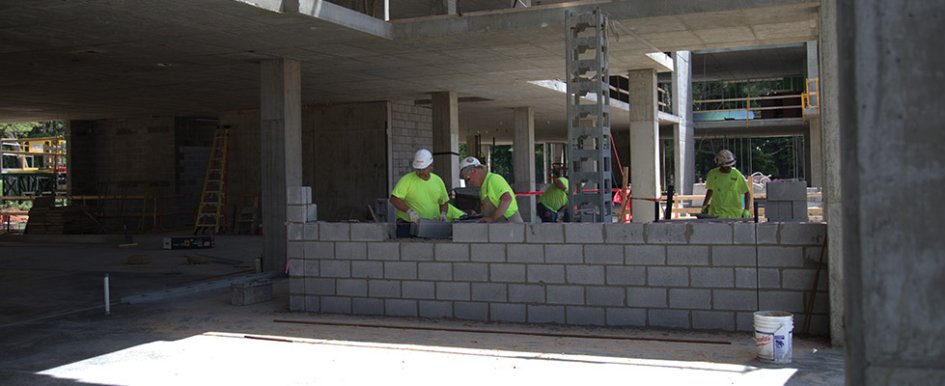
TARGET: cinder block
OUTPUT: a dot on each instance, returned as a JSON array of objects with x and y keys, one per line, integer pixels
[
  {"x": 688, "y": 255},
  {"x": 624, "y": 233},
  {"x": 295, "y": 249},
  {"x": 293, "y": 231},
  {"x": 710, "y": 233},
  {"x": 583, "y": 233},
  {"x": 666, "y": 233},
  {"x": 318, "y": 250},
  {"x": 621, "y": 275},
  {"x": 296, "y": 213},
  {"x": 646, "y": 297},
  {"x": 546, "y": 314},
  {"x": 367, "y": 269},
  {"x": 812, "y": 256},
  {"x": 470, "y": 233},
  {"x": 525, "y": 253},
  {"x": 626, "y": 317},
  {"x": 435, "y": 271},
  {"x": 297, "y": 303},
  {"x": 251, "y": 292},
  {"x": 743, "y": 233},
  {"x": 802, "y": 279},
  {"x": 471, "y": 311},
  {"x": 351, "y": 251},
  {"x": 489, "y": 292},
  {"x": 711, "y": 277},
  {"x": 369, "y": 232},
  {"x": 603, "y": 254},
  {"x": 770, "y": 278},
  {"x": 790, "y": 301},
  {"x": 781, "y": 257},
  {"x": 506, "y": 233},
  {"x": 560, "y": 294},
  {"x": 435, "y": 309},
  {"x": 786, "y": 190},
  {"x": 507, "y": 312},
  {"x": 645, "y": 254},
  {"x": 585, "y": 274},
  {"x": 564, "y": 253},
  {"x": 767, "y": 233},
  {"x": 335, "y": 305},
  {"x": 416, "y": 251},
  {"x": 526, "y": 293},
  {"x": 734, "y": 300},
  {"x": 313, "y": 303},
  {"x": 746, "y": 278},
  {"x": 667, "y": 276},
  {"x": 400, "y": 307},
  {"x": 451, "y": 252},
  {"x": 470, "y": 272},
  {"x": 586, "y": 316},
  {"x": 367, "y": 306},
  {"x": 311, "y": 268},
  {"x": 335, "y": 268},
  {"x": 514, "y": 273},
  {"x": 298, "y": 195},
  {"x": 690, "y": 299},
  {"x": 605, "y": 296},
  {"x": 452, "y": 291},
  {"x": 400, "y": 270},
  {"x": 668, "y": 318},
  {"x": 733, "y": 256},
  {"x": 544, "y": 233},
  {"x": 381, "y": 251},
  {"x": 296, "y": 267},
  {"x": 803, "y": 233},
  {"x": 487, "y": 253},
  {"x": 542, "y": 273},
  {"x": 713, "y": 320},
  {"x": 419, "y": 290},
  {"x": 384, "y": 288},
  {"x": 334, "y": 231},
  {"x": 310, "y": 231},
  {"x": 745, "y": 321},
  {"x": 352, "y": 287}
]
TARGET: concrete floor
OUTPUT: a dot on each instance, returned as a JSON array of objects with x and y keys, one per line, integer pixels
[{"x": 201, "y": 338}]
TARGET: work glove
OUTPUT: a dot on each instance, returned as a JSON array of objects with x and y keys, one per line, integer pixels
[
  {"x": 414, "y": 217},
  {"x": 705, "y": 209},
  {"x": 442, "y": 216},
  {"x": 745, "y": 214}
]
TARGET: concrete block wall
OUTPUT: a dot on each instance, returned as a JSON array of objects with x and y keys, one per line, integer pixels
[
  {"x": 696, "y": 276},
  {"x": 411, "y": 129}
]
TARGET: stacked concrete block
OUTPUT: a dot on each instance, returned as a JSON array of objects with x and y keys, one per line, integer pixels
[
  {"x": 411, "y": 130},
  {"x": 300, "y": 208},
  {"x": 787, "y": 201}
]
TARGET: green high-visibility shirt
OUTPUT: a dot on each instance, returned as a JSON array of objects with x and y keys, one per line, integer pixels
[
  {"x": 554, "y": 198},
  {"x": 493, "y": 187},
  {"x": 424, "y": 197},
  {"x": 728, "y": 193}
]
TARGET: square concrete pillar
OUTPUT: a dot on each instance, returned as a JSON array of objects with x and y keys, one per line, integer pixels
[
  {"x": 523, "y": 160},
  {"x": 815, "y": 149},
  {"x": 683, "y": 133},
  {"x": 446, "y": 137},
  {"x": 644, "y": 144}
]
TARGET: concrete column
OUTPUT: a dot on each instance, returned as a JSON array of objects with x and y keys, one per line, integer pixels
[
  {"x": 684, "y": 149},
  {"x": 281, "y": 160},
  {"x": 890, "y": 121},
  {"x": 523, "y": 160},
  {"x": 446, "y": 137},
  {"x": 815, "y": 153},
  {"x": 545, "y": 162},
  {"x": 444, "y": 7},
  {"x": 644, "y": 144}
]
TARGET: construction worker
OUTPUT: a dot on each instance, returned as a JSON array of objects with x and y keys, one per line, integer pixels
[
  {"x": 420, "y": 194},
  {"x": 727, "y": 192},
  {"x": 554, "y": 198},
  {"x": 497, "y": 199}
]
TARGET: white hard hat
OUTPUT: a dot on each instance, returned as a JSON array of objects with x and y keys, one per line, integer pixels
[
  {"x": 422, "y": 158},
  {"x": 725, "y": 158},
  {"x": 469, "y": 161}
]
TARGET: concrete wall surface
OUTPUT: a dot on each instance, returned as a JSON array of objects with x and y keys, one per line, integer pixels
[{"x": 697, "y": 276}]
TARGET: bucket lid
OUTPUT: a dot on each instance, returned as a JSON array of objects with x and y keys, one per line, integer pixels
[{"x": 773, "y": 314}]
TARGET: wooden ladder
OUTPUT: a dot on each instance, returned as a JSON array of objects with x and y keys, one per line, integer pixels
[{"x": 210, "y": 213}]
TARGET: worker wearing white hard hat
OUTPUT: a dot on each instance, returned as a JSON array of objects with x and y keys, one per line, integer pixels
[
  {"x": 497, "y": 199},
  {"x": 420, "y": 194},
  {"x": 727, "y": 193}
]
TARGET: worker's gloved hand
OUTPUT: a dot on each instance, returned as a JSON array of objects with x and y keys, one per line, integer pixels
[
  {"x": 745, "y": 214},
  {"x": 442, "y": 216},
  {"x": 414, "y": 217},
  {"x": 705, "y": 209}
]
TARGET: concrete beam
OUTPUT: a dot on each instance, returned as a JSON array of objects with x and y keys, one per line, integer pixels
[
  {"x": 523, "y": 160},
  {"x": 644, "y": 144},
  {"x": 446, "y": 137}
]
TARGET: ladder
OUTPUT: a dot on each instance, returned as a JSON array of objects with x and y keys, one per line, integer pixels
[{"x": 210, "y": 215}]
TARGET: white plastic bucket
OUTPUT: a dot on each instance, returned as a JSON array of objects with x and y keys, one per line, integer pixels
[{"x": 774, "y": 332}]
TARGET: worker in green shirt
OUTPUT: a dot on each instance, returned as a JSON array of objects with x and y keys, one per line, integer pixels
[
  {"x": 554, "y": 198},
  {"x": 727, "y": 192},
  {"x": 420, "y": 194},
  {"x": 497, "y": 199}
]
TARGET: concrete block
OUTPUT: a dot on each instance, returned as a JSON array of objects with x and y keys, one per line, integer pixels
[
  {"x": 297, "y": 285},
  {"x": 369, "y": 232},
  {"x": 382, "y": 251},
  {"x": 786, "y": 190},
  {"x": 310, "y": 231},
  {"x": 646, "y": 297},
  {"x": 744, "y": 233},
  {"x": 561, "y": 294},
  {"x": 667, "y": 276},
  {"x": 489, "y": 292},
  {"x": 487, "y": 253},
  {"x": 745, "y": 321},
  {"x": 734, "y": 300},
  {"x": 334, "y": 231},
  {"x": 711, "y": 277},
  {"x": 769, "y": 278},
  {"x": 585, "y": 274},
  {"x": 452, "y": 291},
  {"x": 803, "y": 233},
  {"x": 626, "y": 317},
  {"x": 400, "y": 270},
  {"x": 688, "y": 255},
  {"x": 605, "y": 296},
  {"x": 544, "y": 233},
  {"x": 471, "y": 311},
  {"x": 767, "y": 233},
  {"x": 710, "y": 233},
  {"x": 318, "y": 250},
  {"x": 435, "y": 309},
  {"x": 296, "y": 213},
  {"x": 416, "y": 251},
  {"x": 790, "y": 301},
  {"x": 546, "y": 314},
  {"x": 296, "y": 267},
  {"x": 507, "y": 312},
  {"x": 506, "y": 233},
  {"x": 586, "y": 316},
  {"x": 733, "y": 256},
  {"x": 294, "y": 231},
  {"x": 352, "y": 287},
  {"x": 435, "y": 271},
  {"x": 645, "y": 254},
  {"x": 294, "y": 249},
  {"x": 666, "y": 233},
  {"x": 351, "y": 251},
  {"x": 367, "y": 269},
  {"x": 252, "y": 292},
  {"x": 564, "y": 253},
  {"x": 621, "y": 275},
  {"x": 526, "y": 293},
  {"x": 513, "y": 273},
  {"x": 311, "y": 268},
  {"x": 525, "y": 253},
  {"x": 668, "y": 318},
  {"x": 545, "y": 273},
  {"x": 335, "y": 268},
  {"x": 297, "y": 303},
  {"x": 335, "y": 305},
  {"x": 313, "y": 303},
  {"x": 419, "y": 290},
  {"x": 583, "y": 233},
  {"x": 470, "y": 233},
  {"x": 470, "y": 272},
  {"x": 802, "y": 279},
  {"x": 624, "y": 233},
  {"x": 298, "y": 195},
  {"x": 781, "y": 257},
  {"x": 384, "y": 288},
  {"x": 713, "y": 320},
  {"x": 745, "y": 278},
  {"x": 690, "y": 299},
  {"x": 400, "y": 307},
  {"x": 812, "y": 257},
  {"x": 367, "y": 306},
  {"x": 603, "y": 254},
  {"x": 451, "y": 252}
]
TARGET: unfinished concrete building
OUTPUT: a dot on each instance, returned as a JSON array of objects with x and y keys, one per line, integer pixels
[{"x": 325, "y": 103}]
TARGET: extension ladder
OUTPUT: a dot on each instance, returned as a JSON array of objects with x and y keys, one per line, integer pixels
[{"x": 210, "y": 214}]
